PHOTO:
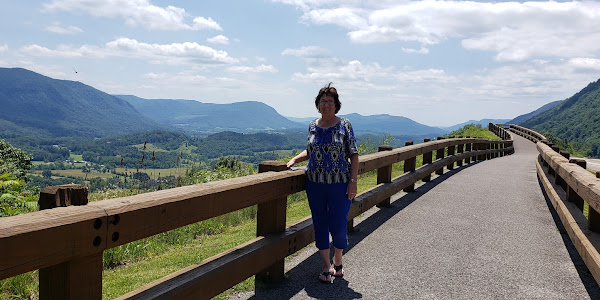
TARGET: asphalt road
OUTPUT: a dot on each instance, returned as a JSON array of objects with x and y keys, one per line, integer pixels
[{"x": 485, "y": 232}]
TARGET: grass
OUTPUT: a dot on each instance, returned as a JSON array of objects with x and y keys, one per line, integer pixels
[
  {"x": 154, "y": 172},
  {"x": 77, "y": 173},
  {"x": 149, "y": 148}
]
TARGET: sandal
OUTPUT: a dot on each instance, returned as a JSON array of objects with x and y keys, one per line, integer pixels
[
  {"x": 326, "y": 277},
  {"x": 339, "y": 271}
]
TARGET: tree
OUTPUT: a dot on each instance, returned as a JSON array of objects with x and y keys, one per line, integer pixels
[
  {"x": 47, "y": 174},
  {"x": 13, "y": 160}
]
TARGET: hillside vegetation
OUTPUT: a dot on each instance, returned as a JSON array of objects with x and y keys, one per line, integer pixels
[
  {"x": 33, "y": 104},
  {"x": 196, "y": 117},
  {"x": 575, "y": 120}
]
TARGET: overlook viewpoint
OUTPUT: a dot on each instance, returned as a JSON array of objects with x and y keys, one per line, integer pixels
[{"x": 509, "y": 218}]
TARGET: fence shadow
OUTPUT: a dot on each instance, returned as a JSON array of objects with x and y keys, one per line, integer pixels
[
  {"x": 590, "y": 284},
  {"x": 303, "y": 277}
]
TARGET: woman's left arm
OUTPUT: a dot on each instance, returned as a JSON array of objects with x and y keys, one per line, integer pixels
[{"x": 352, "y": 185}]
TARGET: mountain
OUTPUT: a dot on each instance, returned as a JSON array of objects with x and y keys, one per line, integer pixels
[
  {"x": 197, "y": 117},
  {"x": 35, "y": 104},
  {"x": 522, "y": 118},
  {"x": 388, "y": 124},
  {"x": 576, "y": 119},
  {"x": 483, "y": 122}
]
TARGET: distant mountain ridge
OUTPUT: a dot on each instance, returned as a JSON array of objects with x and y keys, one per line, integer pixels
[
  {"x": 522, "y": 118},
  {"x": 388, "y": 124},
  {"x": 576, "y": 119},
  {"x": 483, "y": 122},
  {"x": 35, "y": 104},
  {"x": 197, "y": 117},
  {"x": 383, "y": 124}
]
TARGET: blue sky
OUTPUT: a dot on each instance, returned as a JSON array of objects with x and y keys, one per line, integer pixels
[{"x": 437, "y": 62}]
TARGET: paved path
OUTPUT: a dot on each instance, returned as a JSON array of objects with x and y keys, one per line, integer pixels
[{"x": 485, "y": 232}]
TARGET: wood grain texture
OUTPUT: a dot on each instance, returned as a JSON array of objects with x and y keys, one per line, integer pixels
[
  {"x": 581, "y": 238},
  {"x": 578, "y": 179}
]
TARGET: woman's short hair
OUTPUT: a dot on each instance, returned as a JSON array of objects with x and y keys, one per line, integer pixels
[{"x": 329, "y": 91}]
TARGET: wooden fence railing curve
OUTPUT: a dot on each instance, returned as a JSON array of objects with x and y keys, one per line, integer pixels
[
  {"x": 571, "y": 186},
  {"x": 66, "y": 243}
]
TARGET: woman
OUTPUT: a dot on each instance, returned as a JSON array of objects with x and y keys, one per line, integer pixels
[{"x": 330, "y": 178}]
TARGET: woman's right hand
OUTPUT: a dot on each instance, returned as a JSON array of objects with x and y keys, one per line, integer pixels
[{"x": 291, "y": 163}]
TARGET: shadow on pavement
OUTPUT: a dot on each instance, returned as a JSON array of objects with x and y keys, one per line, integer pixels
[{"x": 590, "y": 284}]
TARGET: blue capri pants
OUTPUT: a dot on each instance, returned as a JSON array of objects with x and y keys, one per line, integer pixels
[{"x": 329, "y": 206}]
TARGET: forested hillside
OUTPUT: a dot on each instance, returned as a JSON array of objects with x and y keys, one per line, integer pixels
[
  {"x": 576, "y": 119},
  {"x": 201, "y": 118},
  {"x": 522, "y": 118},
  {"x": 33, "y": 104}
]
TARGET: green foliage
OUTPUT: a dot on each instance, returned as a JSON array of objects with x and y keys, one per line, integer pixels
[
  {"x": 23, "y": 286},
  {"x": 14, "y": 199},
  {"x": 14, "y": 163},
  {"x": 576, "y": 120},
  {"x": 13, "y": 160},
  {"x": 366, "y": 146},
  {"x": 475, "y": 131}
]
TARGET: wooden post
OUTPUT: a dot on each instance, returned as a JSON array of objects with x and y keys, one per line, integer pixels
[
  {"x": 440, "y": 155},
  {"x": 410, "y": 166},
  {"x": 559, "y": 180},
  {"x": 593, "y": 220},
  {"x": 451, "y": 150},
  {"x": 62, "y": 196},
  {"x": 571, "y": 195},
  {"x": 459, "y": 150},
  {"x": 270, "y": 218},
  {"x": 79, "y": 278},
  {"x": 594, "y": 216},
  {"x": 468, "y": 148},
  {"x": 427, "y": 159},
  {"x": 483, "y": 146},
  {"x": 384, "y": 175}
]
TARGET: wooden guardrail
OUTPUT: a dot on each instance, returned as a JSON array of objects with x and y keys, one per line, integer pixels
[
  {"x": 527, "y": 133},
  {"x": 66, "y": 243},
  {"x": 568, "y": 185}
]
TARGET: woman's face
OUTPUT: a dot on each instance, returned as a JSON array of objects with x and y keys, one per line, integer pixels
[{"x": 327, "y": 105}]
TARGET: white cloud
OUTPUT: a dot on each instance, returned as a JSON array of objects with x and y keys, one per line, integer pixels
[
  {"x": 515, "y": 31},
  {"x": 349, "y": 18},
  {"x": 423, "y": 50},
  {"x": 308, "y": 52},
  {"x": 219, "y": 39},
  {"x": 4, "y": 48},
  {"x": 57, "y": 28},
  {"x": 136, "y": 13},
  {"x": 257, "y": 69},
  {"x": 175, "y": 53},
  {"x": 585, "y": 63},
  {"x": 373, "y": 74},
  {"x": 203, "y": 23}
]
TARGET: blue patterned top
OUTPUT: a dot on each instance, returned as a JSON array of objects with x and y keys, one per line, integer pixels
[{"x": 329, "y": 152}]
